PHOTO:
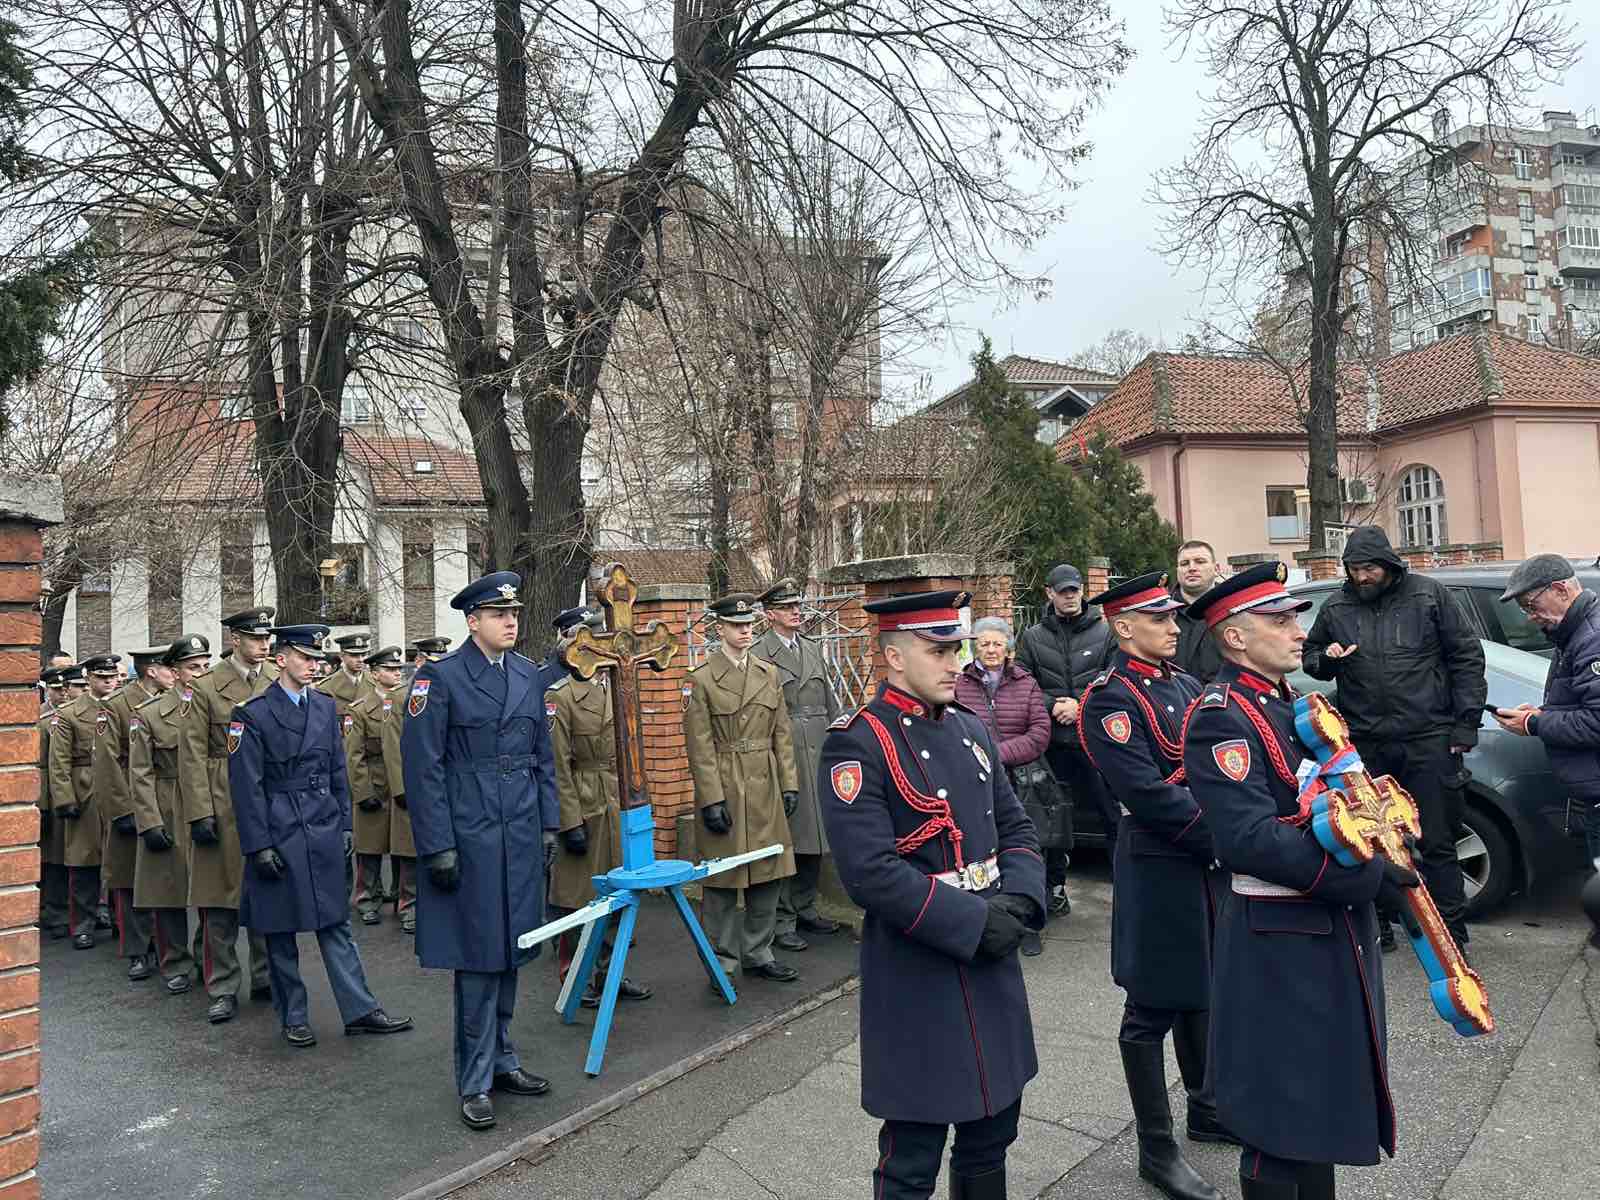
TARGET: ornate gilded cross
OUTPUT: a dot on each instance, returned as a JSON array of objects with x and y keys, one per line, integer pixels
[{"x": 622, "y": 651}]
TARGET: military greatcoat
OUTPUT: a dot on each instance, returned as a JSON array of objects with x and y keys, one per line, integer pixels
[
  {"x": 583, "y": 740},
  {"x": 344, "y": 690},
  {"x": 72, "y": 734},
  {"x": 160, "y": 877},
  {"x": 741, "y": 753},
  {"x": 372, "y": 745},
  {"x": 812, "y": 708},
  {"x": 216, "y": 872},
  {"x": 944, "y": 1038},
  {"x": 120, "y": 852},
  {"x": 1298, "y": 1030},
  {"x": 479, "y": 779},
  {"x": 53, "y": 834},
  {"x": 1161, "y": 918},
  {"x": 286, "y": 773}
]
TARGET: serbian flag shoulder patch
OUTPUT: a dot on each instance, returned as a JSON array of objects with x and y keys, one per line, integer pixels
[
  {"x": 846, "y": 779},
  {"x": 1233, "y": 758},
  {"x": 419, "y": 697},
  {"x": 1118, "y": 727},
  {"x": 235, "y": 735}
]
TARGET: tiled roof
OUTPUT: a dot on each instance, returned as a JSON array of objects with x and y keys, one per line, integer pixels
[
  {"x": 1019, "y": 368},
  {"x": 390, "y": 462},
  {"x": 1474, "y": 368}
]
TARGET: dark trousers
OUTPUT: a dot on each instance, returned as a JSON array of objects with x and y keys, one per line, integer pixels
[
  {"x": 909, "y": 1153},
  {"x": 219, "y": 955},
  {"x": 170, "y": 927},
  {"x": 485, "y": 1003},
  {"x": 1591, "y": 833},
  {"x": 797, "y": 895},
  {"x": 1426, "y": 768},
  {"x": 1078, "y": 776},
  {"x": 52, "y": 896},
  {"x": 1143, "y": 1023},
  {"x": 1314, "y": 1180},
  {"x": 345, "y": 973},
  {"x": 134, "y": 936},
  {"x": 83, "y": 898},
  {"x": 369, "y": 883},
  {"x": 567, "y": 946}
]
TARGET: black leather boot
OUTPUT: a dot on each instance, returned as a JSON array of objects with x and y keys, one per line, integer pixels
[
  {"x": 1160, "y": 1160},
  {"x": 1189, "y": 1040},
  {"x": 991, "y": 1185},
  {"x": 1316, "y": 1181},
  {"x": 1267, "y": 1189}
]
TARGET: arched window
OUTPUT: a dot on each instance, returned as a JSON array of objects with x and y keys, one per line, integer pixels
[{"x": 1419, "y": 505}]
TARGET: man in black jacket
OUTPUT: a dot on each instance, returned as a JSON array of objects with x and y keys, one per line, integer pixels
[
  {"x": 1065, "y": 651},
  {"x": 1411, "y": 684},
  {"x": 1196, "y": 572}
]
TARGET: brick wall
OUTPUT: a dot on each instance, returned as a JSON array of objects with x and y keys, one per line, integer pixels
[
  {"x": 1096, "y": 576},
  {"x": 27, "y": 505},
  {"x": 1319, "y": 564},
  {"x": 661, "y": 699},
  {"x": 1452, "y": 554}
]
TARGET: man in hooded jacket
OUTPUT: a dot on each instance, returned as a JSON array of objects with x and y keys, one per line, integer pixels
[{"x": 1410, "y": 676}]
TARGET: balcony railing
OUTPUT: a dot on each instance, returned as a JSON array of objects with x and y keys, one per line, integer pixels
[
  {"x": 1578, "y": 260},
  {"x": 1564, "y": 173}
]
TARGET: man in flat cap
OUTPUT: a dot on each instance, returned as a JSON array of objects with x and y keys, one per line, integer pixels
[
  {"x": 1567, "y": 720},
  {"x": 377, "y": 790},
  {"x": 286, "y": 772},
  {"x": 53, "y": 906},
  {"x": 741, "y": 757},
  {"x": 812, "y": 707},
  {"x": 135, "y": 935},
  {"x": 475, "y": 742},
  {"x": 73, "y": 733},
  {"x": 216, "y": 865}
]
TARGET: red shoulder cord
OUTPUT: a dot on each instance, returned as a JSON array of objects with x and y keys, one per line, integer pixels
[
  {"x": 1172, "y": 752},
  {"x": 1269, "y": 739},
  {"x": 941, "y": 822}
]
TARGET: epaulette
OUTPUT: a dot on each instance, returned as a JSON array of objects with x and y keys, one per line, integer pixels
[
  {"x": 149, "y": 702},
  {"x": 1102, "y": 679},
  {"x": 701, "y": 666},
  {"x": 560, "y": 683},
  {"x": 842, "y": 721},
  {"x": 1215, "y": 696}
]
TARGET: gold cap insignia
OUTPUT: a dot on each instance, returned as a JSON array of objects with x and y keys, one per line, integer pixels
[{"x": 508, "y": 592}]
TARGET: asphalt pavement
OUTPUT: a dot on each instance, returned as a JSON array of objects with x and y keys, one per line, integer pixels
[
  {"x": 142, "y": 1097},
  {"x": 1507, "y": 1116}
]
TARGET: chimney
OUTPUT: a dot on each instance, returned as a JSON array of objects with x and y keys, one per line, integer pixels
[{"x": 1555, "y": 118}]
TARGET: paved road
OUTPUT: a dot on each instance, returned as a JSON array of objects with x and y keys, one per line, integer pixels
[
  {"x": 142, "y": 1097},
  {"x": 1510, "y": 1116}
]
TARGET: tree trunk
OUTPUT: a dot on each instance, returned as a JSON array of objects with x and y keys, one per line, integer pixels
[
  {"x": 1322, "y": 415},
  {"x": 805, "y": 508}
]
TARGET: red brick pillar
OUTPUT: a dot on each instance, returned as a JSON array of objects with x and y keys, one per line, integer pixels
[
  {"x": 1096, "y": 575},
  {"x": 661, "y": 700},
  {"x": 991, "y": 588},
  {"x": 27, "y": 505},
  {"x": 1319, "y": 564},
  {"x": 880, "y": 578}
]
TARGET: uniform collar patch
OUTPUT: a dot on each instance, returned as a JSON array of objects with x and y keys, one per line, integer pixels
[{"x": 906, "y": 704}]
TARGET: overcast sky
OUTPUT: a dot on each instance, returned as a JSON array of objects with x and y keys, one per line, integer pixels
[{"x": 1105, "y": 273}]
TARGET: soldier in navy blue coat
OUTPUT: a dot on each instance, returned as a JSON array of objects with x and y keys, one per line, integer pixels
[
  {"x": 931, "y": 842},
  {"x": 481, "y": 789},
  {"x": 1298, "y": 1034},
  {"x": 286, "y": 774},
  {"x": 1132, "y": 730}
]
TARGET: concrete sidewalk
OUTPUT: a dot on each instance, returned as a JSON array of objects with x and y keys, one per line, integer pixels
[{"x": 1508, "y": 1116}]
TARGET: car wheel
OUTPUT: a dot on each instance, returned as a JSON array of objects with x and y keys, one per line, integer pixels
[{"x": 1488, "y": 864}]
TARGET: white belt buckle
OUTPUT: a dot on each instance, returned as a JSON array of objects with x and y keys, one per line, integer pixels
[{"x": 978, "y": 877}]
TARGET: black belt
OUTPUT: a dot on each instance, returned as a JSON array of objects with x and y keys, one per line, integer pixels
[
  {"x": 294, "y": 783},
  {"x": 83, "y": 762},
  {"x": 808, "y": 712},
  {"x": 500, "y": 762}
]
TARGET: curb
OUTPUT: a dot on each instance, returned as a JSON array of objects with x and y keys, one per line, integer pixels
[{"x": 531, "y": 1144}]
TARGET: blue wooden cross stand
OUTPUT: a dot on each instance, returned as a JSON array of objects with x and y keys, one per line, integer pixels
[{"x": 622, "y": 651}]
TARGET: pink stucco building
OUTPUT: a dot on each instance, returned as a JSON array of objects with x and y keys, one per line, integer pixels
[{"x": 1482, "y": 437}]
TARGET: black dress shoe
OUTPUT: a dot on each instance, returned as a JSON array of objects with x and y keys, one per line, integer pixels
[
  {"x": 370, "y": 918},
  {"x": 1386, "y": 941},
  {"x": 791, "y": 942},
  {"x": 83, "y": 941},
  {"x": 521, "y": 1083},
  {"x": 776, "y": 971},
  {"x": 477, "y": 1111},
  {"x": 140, "y": 968},
  {"x": 378, "y": 1021},
  {"x": 628, "y": 990},
  {"x": 222, "y": 1009},
  {"x": 1032, "y": 944},
  {"x": 820, "y": 925},
  {"x": 299, "y": 1036},
  {"x": 178, "y": 985}
]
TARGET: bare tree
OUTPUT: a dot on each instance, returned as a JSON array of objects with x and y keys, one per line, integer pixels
[
  {"x": 1118, "y": 352},
  {"x": 1322, "y": 158}
]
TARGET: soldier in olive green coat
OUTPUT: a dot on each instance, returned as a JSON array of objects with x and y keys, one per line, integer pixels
[
  {"x": 741, "y": 757},
  {"x": 135, "y": 940},
  {"x": 351, "y": 681},
  {"x": 216, "y": 866},
  {"x": 377, "y": 791},
  {"x": 72, "y": 738},
  {"x": 52, "y": 833}
]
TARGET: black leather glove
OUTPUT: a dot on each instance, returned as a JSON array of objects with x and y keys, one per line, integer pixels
[
  {"x": 791, "y": 801},
  {"x": 156, "y": 840},
  {"x": 268, "y": 863},
  {"x": 444, "y": 869},
  {"x": 576, "y": 840},
  {"x": 1020, "y": 907},
  {"x": 204, "y": 831},
  {"x": 1391, "y": 894},
  {"x": 70, "y": 813},
  {"x": 400, "y": 801},
  {"x": 716, "y": 818},
  {"x": 1002, "y": 934},
  {"x": 369, "y": 804},
  {"x": 125, "y": 826},
  {"x": 549, "y": 849},
  {"x": 349, "y": 843}
]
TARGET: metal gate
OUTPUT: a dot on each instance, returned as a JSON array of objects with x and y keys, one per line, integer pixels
[{"x": 846, "y": 652}]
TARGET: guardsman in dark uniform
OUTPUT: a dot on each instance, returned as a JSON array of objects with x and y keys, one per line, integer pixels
[
  {"x": 216, "y": 865},
  {"x": 370, "y": 745},
  {"x": 481, "y": 788},
  {"x": 286, "y": 773},
  {"x": 931, "y": 842},
  {"x": 161, "y": 868},
  {"x": 135, "y": 935},
  {"x": 1298, "y": 1032},
  {"x": 812, "y": 708},
  {"x": 1161, "y": 917},
  {"x": 583, "y": 741},
  {"x": 52, "y": 833},
  {"x": 73, "y": 732}
]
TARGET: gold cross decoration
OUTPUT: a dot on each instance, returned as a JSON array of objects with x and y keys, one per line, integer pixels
[{"x": 622, "y": 651}]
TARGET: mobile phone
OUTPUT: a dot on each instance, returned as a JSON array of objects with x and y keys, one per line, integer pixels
[{"x": 1492, "y": 709}]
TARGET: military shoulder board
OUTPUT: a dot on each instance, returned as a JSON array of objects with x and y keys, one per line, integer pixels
[
  {"x": 842, "y": 721},
  {"x": 1213, "y": 698}
]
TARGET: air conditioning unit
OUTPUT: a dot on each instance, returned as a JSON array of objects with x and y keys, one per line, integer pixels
[{"x": 1355, "y": 491}]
